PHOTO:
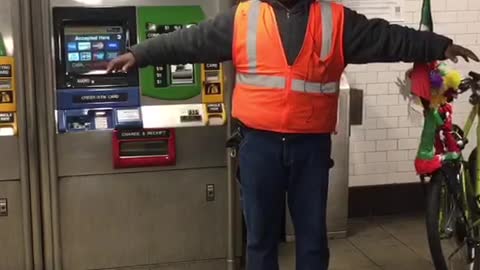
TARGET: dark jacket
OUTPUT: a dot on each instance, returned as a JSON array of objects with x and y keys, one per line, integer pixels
[{"x": 365, "y": 41}]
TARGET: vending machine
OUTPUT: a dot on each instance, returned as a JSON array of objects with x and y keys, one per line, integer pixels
[{"x": 141, "y": 161}]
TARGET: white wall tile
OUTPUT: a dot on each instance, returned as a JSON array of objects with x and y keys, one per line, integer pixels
[
  {"x": 371, "y": 168},
  {"x": 387, "y": 99},
  {"x": 357, "y": 134},
  {"x": 398, "y": 133},
  {"x": 367, "y": 77},
  {"x": 386, "y": 145},
  {"x": 376, "y": 111},
  {"x": 400, "y": 155},
  {"x": 415, "y": 132},
  {"x": 398, "y": 110},
  {"x": 370, "y": 123},
  {"x": 376, "y": 134},
  {"x": 376, "y": 157},
  {"x": 387, "y": 122},
  {"x": 371, "y": 101},
  {"x": 474, "y": 4},
  {"x": 457, "y": 5},
  {"x": 467, "y": 16},
  {"x": 377, "y": 88},
  {"x": 358, "y": 147},
  {"x": 388, "y": 76},
  {"x": 446, "y": 17},
  {"x": 408, "y": 144},
  {"x": 357, "y": 158}
]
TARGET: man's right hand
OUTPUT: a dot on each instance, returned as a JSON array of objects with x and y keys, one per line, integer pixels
[{"x": 123, "y": 63}]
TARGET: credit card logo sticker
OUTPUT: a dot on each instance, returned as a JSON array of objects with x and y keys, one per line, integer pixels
[
  {"x": 111, "y": 55},
  {"x": 113, "y": 45},
  {"x": 98, "y": 45},
  {"x": 85, "y": 56},
  {"x": 72, "y": 46},
  {"x": 84, "y": 46},
  {"x": 72, "y": 57},
  {"x": 98, "y": 56}
]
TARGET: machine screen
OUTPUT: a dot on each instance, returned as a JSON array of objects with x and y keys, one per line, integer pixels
[{"x": 88, "y": 49}]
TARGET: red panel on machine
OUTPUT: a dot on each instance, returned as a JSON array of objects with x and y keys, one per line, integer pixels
[{"x": 143, "y": 148}]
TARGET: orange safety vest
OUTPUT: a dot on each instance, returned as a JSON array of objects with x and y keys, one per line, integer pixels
[{"x": 274, "y": 96}]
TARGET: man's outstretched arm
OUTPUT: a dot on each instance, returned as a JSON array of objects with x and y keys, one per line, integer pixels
[
  {"x": 376, "y": 40},
  {"x": 209, "y": 41}
]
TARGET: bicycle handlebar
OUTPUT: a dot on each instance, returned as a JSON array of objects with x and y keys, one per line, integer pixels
[
  {"x": 472, "y": 82},
  {"x": 475, "y": 76}
]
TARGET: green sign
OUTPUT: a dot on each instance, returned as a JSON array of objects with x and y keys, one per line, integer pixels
[{"x": 169, "y": 82}]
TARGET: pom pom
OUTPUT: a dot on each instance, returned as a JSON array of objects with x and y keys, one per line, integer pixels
[
  {"x": 436, "y": 80},
  {"x": 453, "y": 79}
]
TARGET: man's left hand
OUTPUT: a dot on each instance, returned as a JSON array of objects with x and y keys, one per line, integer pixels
[{"x": 454, "y": 51}]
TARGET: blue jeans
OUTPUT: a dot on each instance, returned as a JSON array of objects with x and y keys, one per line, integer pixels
[{"x": 271, "y": 166}]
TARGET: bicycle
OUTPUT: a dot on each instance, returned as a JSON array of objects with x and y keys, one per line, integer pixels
[{"x": 453, "y": 197}]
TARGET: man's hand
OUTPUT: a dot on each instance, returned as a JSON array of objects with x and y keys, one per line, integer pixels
[
  {"x": 122, "y": 63},
  {"x": 454, "y": 51}
]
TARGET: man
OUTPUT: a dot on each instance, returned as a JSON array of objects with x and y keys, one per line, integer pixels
[{"x": 289, "y": 56}]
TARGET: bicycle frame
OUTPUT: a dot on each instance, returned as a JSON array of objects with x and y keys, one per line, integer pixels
[{"x": 468, "y": 190}]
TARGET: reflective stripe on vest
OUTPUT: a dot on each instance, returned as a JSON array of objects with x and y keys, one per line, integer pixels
[
  {"x": 276, "y": 82},
  {"x": 312, "y": 87},
  {"x": 253, "y": 20}
]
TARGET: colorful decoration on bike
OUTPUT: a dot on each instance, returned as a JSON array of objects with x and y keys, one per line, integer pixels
[{"x": 433, "y": 86}]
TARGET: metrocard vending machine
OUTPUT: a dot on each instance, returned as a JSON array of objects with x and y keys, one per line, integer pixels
[
  {"x": 174, "y": 96},
  {"x": 88, "y": 98}
]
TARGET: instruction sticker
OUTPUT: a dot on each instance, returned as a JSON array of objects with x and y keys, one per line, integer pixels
[
  {"x": 6, "y": 96},
  {"x": 5, "y": 71},
  {"x": 213, "y": 89},
  {"x": 5, "y": 84},
  {"x": 128, "y": 115},
  {"x": 7, "y": 118},
  {"x": 214, "y": 108}
]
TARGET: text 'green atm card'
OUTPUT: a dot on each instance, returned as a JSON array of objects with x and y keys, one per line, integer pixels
[{"x": 169, "y": 82}]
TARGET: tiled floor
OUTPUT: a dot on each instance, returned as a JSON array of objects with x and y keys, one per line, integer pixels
[{"x": 390, "y": 243}]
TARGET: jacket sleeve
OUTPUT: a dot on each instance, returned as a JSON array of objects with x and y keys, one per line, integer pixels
[
  {"x": 376, "y": 40},
  {"x": 209, "y": 41}
]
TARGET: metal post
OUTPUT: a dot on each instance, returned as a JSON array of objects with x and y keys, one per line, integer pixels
[
  {"x": 22, "y": 85},
  {"x": 231, "y": 263},
  {"x": 28, "y": 134}
]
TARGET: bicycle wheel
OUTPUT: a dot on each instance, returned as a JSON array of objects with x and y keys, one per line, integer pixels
[{"x": 445, "y": 230}]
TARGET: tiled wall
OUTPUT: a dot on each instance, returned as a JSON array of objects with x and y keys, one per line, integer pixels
[{"x": 384, "y": 147}]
